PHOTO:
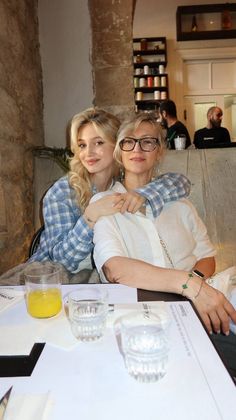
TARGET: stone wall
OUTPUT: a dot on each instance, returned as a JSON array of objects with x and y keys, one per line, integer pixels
[
  {"x": 112, "y": 48},
  {"x": 21, "y": 125}
]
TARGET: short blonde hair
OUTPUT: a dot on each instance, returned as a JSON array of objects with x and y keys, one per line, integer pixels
[
  {"x": 106, "y": 126},
  {"x": 130, "y": 125}
]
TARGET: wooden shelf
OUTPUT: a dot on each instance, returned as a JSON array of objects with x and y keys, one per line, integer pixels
[
  {"x": 151, "y": 75},
  {"x": 149, "y": 101},
  {"x": 209, "y": 19},
  {"x": 151, "y": 64},
  {"x": 149, "y": 52},
  {"x": 151, "y": 89},
  {"x": 152, "y": 51}
]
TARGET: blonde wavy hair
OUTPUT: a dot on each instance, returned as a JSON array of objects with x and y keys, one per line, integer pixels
[
  {"x": 130, "y": 125},
  {"x": 106, "y": 125}
]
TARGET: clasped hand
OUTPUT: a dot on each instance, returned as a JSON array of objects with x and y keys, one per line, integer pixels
[{"x": 114, "y": 203}]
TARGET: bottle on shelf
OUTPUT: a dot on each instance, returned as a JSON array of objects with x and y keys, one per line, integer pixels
[
  {"x": 226, "y": 20},
  {"x": 194, "y": 24},
  {"x": 143, "y": 44}
]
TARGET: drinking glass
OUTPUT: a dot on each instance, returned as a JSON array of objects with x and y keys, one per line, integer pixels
[
  {"x": 180, "y": 142},
  {"x": 43, "y": 289},
  {"x": 145, "y": 345},
  {"x": 88, "y": 309}
]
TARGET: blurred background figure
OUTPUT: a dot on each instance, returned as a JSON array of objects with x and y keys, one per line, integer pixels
[
  {"x": 170, "y": 122},
  {"x": 213, "y": 135}
]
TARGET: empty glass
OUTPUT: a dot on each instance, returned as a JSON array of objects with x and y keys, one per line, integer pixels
[
  {"x": 88, "y": 309},
  {"x": 180, "y": 142},
  {"x": 43, "y": 289},
  {"x": 145, "y": 346}
]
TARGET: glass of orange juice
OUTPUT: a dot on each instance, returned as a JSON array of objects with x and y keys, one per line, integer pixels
[{"x": 43, "y": 289}]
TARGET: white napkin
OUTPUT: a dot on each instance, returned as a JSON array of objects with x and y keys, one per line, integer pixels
[
  {"x": 16, "y": 340},
  {"x": 29, "y": 407},
  {"x": 9, "y": 297},
  {"x": 56, "y": 331}
]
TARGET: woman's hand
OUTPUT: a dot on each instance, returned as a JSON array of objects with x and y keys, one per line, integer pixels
[
  {"x": 132, "y": 202},
  {"x": 214, "y": 309},
  {"x": 112, "y": 204},
  {"x": 105, "y": 206}
]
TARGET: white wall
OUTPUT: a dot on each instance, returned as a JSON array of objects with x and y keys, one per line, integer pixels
[
  {"x": 65, "y": 34},
  {"x": 155, "y": 18}
]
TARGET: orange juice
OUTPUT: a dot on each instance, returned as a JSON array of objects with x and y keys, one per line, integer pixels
[{"x": 44, "y": 303}]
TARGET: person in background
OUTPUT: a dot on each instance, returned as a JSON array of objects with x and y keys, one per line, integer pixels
[
  {"x": 69, "y": 217},
  {"x": 170, "y": 122},
  {"x": 213, "y": 135},
  {"x": 171, "y": 252}
]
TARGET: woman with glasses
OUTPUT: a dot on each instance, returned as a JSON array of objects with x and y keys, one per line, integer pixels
[{"x": 171, "y": 252}]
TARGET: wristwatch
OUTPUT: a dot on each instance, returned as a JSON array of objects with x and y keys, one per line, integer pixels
[{"x": 198, "y": 273}]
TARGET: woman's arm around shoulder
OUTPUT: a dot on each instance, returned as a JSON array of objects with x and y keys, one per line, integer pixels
[{"x": 167, "y": 187}]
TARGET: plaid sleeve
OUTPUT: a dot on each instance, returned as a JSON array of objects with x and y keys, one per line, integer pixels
[
  {"x": 66, "y": 239},
  {"x": 168, "y": 187}
]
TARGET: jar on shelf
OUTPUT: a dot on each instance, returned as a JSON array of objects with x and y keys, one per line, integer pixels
[
  {"x": 142, "y": 82},
  {"x": 150, "y": 81},
  {"x": 139, "y": 96},
  {"x": 161, "y": 69},
  {"x": 138, "y": 72},
  {"x": 157, "y": 94},
  {"x": 157, "y": 81},
  {"x": 139, "y": 58},
  {"x": 163, "y": 81},
  {"x": 136, "y": 82},
  {"x": 146, "y": 69},
  {"x": 163, "y": 95}
]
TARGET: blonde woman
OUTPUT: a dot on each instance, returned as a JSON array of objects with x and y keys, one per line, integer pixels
[
  {"x": 170, "y": 253},
  {"x": 68, "y": 216}
]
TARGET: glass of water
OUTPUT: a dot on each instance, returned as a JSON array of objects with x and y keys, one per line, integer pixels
[
  {"x": 88, "y": 307},
  {"x": 145, "y": 346}
]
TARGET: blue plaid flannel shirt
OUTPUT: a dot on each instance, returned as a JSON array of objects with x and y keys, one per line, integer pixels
[{"x": 68, "y": 240}]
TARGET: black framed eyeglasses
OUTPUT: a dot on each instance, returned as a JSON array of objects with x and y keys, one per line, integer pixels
[{"x": 146, "y": 144}]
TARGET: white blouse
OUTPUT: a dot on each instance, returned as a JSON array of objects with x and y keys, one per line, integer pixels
[{"x": 184, "y": 235}]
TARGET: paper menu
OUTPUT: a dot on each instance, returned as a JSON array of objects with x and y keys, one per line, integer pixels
[{"x": 9, "y": 296}]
